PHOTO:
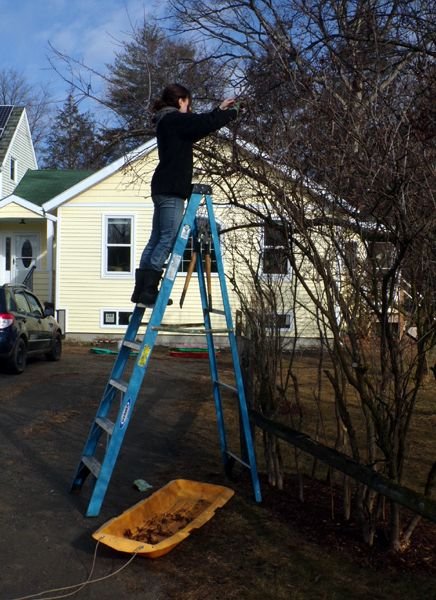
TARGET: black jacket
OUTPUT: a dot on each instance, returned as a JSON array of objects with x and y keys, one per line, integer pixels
[{"x": 176, "y": 133}]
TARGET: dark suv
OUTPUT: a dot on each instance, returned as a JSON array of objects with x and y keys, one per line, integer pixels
[{"x": 26, "y": 328}]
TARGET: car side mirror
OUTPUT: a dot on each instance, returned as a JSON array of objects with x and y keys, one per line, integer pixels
[{"x": 48, "y": 309}]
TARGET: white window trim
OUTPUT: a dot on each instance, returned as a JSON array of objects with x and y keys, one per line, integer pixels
[{"x": 105, "y": 274}]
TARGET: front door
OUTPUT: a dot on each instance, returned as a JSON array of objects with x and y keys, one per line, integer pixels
[{"x": 26, "y": 254}]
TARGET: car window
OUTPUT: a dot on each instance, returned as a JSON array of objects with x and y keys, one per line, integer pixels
[
  {"x": 21, "y": 302},
  {"x": 35, "y": 307}
]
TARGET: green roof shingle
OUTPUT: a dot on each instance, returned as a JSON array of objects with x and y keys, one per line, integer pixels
[{"x": 39, "y": 186}]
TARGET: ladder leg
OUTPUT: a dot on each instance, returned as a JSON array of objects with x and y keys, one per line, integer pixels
[
  {"x": 109, "y": 393},
  {"x": 245, "y": 420},
  {"x": 213, "y": 366},
  {"x": 235, "y": 356},
  {"x": 102, "y": 481}
]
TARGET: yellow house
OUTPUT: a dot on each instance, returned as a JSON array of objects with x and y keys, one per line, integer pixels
[{"x": 88, "y": 230}]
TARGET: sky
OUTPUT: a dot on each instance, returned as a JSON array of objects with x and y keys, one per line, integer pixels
[{"x": 86, "y": 30}]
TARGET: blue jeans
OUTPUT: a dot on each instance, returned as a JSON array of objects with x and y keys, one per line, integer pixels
[{"x": 167, "y": 216}]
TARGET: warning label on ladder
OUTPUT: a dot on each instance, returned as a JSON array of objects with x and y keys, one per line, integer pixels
[
  {"x": 186, "y": 230},
  {"x": 173, "y": 267},
  {"x": 125, "y": 414},
  {"x": 142, "y": 360}
]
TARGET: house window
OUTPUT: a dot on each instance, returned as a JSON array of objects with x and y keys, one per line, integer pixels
[
  {"x": 283, "y": 321},
  {"x": 274, "y": 259},
  {"x": 26, "y": 253},
  {"x": 8, "y": 254},
  {"x": 118, "y": 247},
  {"x": 13, "y": 172},
  {"x": 110, "y": 317},
  {"x": 114, "y": 318},
  {"x": 187, "y": 255},
  {"x": 124, "y": 317},
  {"x": 351, "y": 256},
  {"x": 382, "y": 255}
]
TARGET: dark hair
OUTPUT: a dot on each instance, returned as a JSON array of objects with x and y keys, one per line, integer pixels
[{"x": 171, "y": 95}]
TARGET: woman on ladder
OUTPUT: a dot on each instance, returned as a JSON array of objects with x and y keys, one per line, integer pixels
[{"x": 177, "y": 129}]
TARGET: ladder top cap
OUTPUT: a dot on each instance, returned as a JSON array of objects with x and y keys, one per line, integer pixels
[{"x": 201, "y": 188}]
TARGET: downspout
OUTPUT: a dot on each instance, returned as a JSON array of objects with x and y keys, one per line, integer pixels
[{"x": 50, "y": 239}]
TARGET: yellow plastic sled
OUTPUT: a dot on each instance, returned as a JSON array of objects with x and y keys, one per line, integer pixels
[{"x": 157, "y": 524}]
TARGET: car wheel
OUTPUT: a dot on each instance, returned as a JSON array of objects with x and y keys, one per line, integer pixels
[
  {"x": 18, "y": 360},
  {"x": 56, "y": 349}
]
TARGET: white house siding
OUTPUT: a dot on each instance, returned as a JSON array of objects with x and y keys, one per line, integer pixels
[{"x": 21, "y": 149}]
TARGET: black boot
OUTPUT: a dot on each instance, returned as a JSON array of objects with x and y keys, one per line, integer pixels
[
  {"x": 149, "y": 292},
  {"x": 139, "y": 284}
]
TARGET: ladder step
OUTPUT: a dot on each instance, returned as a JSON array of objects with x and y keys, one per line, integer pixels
[
  {"x": 183, "y": 330},
  {"x": 227, "y": 386},
  {"x": 238, "y": 459},
  {"x": 174, "y": 325},
  {"x": 216, "y": 311},
  {"x": 132, "y": 345},
  {"x": 93, "y": 465},
  {"x": 119, "y": 384},
  {"x": 105, "y": 424}
]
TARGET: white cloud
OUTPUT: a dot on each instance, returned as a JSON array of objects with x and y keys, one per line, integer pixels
[
  {"x": 93, "y": 33},
  {"x": 84, "y": 30}
]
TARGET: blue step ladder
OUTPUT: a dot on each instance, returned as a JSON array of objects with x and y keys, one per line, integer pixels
[{"x": 113, "y": 418}]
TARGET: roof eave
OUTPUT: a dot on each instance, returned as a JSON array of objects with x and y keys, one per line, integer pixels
[{"x": 13, "y": 198}]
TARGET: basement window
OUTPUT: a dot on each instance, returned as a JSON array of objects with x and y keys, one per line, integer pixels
[
  {"x": 114, "y": 318},
  {"x": 280, "y": 321}
]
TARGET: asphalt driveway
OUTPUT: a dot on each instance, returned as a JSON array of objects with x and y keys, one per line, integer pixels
[{"x": 45, "y": 538}]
